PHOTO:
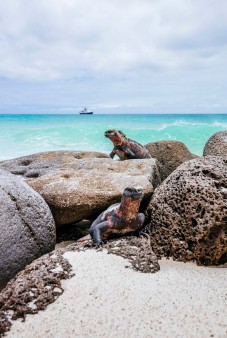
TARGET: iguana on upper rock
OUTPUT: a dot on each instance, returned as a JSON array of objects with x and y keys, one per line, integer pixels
[{"x": 125, "y": 148}]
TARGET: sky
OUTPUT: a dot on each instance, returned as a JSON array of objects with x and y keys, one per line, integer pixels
[{"x": 118, "y": 56}]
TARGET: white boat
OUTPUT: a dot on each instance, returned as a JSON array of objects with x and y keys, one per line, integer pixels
[{"x": 85, "y": 111}]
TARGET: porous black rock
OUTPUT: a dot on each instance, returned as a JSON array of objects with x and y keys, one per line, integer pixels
[
  {"x": 188, "y": 213},
  {"x": 216, "y": 145},
  {"x": 170, "y": 154}
]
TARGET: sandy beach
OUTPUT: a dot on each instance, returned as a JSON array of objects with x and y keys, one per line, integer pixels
[{"x": 106, "y": 299}]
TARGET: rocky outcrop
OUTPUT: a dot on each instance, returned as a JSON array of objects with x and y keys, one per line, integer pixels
[
  {"x": 38, "y": 285},
  {"x": 78, "y": 185},
  {"x": 170, "y": 154},
  {"x": 217, "y": 145},
  {"x": 39, "y": 164},
  {"x": 26, "y": 226},
  {"x": 89, "y": 186},
  {"x": 188, "y": 213}
]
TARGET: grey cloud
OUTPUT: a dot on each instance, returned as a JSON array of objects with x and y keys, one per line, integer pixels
[
  {"x": 160, "y": 54},
  {"x": 53, "y": 40}
]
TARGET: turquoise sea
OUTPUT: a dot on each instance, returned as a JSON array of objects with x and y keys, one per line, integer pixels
[{"x": 26, "y": 134}]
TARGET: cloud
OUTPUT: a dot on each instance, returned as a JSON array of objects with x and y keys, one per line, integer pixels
[
  {"x": 51, "y": 40},
  {"x": 116, "y": 56}
]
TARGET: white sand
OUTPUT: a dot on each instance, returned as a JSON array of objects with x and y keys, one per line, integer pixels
[{"x": 105, "y": 299}]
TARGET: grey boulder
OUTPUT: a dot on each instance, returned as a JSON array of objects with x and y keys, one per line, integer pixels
[{"x": 27, "y": 228}]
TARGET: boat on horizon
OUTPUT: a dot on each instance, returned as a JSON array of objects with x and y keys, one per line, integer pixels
[{"x": 85, "y": 111}]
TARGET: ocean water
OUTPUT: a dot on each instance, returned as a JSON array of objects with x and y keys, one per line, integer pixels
[{"x": 26, "y": 134}]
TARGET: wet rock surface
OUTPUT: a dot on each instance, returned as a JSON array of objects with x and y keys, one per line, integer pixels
[
  {"x": 170, "y": 155},
  {"x": 137, "y": 250},
  {"x": 217, "y": 145},
  {"x": 188, "y": 213},
  {"x": 33, "y": 289},
  {"x": 39, "y": 164},
  {"x": 26, "y": 225},
  {"x": 89, "y": 186}
]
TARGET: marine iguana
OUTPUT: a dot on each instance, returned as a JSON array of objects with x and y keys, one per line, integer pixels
[
  {"x": 119, "y": 218},
  {"x": 125, "y": 148}
]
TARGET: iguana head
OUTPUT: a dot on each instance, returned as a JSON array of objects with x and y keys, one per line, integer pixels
[
  {"x": 116, "y": 136},
  {"x": 133, "y": 193},
  {"x": 130, "y": 202}
]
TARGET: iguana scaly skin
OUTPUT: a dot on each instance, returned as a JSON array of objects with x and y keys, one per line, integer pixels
[
  {"x": 120, "y": 218},
  {"x": 125, "y": 148}
]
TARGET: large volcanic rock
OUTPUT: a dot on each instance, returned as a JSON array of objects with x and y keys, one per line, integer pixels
[
  {"x": 89, "y": 186},
  {"x": 40, "y": 164},
  {"x": 170, "y": 154},
  {"x": 217, "y": 145},
  {"x": 26, "y": 226},
  {"x": 188, "y": 212}
]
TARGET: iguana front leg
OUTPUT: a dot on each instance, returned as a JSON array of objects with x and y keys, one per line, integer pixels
[
  {"x": 96, "y": 231},
  {"x": 113, "y": 153}
]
